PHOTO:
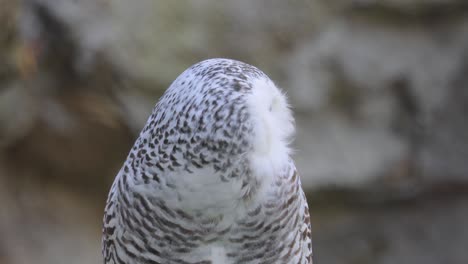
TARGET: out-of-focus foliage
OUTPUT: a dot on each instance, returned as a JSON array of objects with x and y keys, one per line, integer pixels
[{"x": 378, "y": 89}]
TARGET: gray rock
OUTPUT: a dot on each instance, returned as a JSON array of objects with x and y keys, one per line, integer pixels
[
  {"x": 427, "y": 231},
  {"x": 381, "y": 87}
]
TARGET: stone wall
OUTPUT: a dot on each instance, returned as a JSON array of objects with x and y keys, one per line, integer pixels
[{"x": 377, "y": 87}]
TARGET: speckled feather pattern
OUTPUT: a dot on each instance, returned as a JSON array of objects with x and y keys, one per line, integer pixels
[{"x": 210, "y": 179}]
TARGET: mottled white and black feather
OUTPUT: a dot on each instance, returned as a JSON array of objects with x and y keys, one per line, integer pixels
[{"x": 210, "y": 179}]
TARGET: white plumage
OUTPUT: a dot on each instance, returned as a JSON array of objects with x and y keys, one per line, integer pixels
[{"x": 210, "y": 179}]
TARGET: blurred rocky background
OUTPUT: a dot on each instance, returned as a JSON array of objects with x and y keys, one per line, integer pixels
[{"x": 379, "y": 90}]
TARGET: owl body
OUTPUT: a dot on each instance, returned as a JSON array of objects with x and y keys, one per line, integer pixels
[{"x": 210, "y": 179}]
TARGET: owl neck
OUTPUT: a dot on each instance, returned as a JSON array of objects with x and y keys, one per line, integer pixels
[
  {"x": 206, "y": 191},
  {"x": 203, "y": 174}
]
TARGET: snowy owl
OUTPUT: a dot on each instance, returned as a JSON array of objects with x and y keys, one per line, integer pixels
[{"x": 210, "y": 178}]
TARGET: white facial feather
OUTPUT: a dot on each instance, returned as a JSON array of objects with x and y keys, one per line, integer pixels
[{"x": 273, "y": 129}]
